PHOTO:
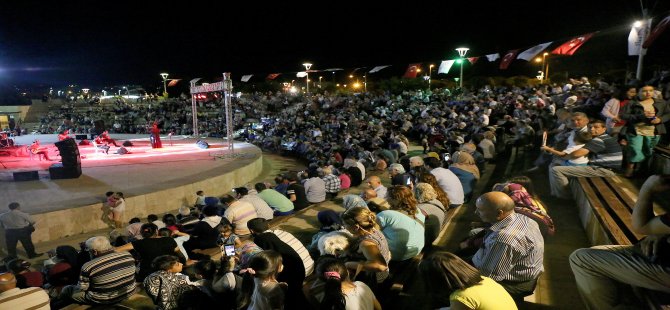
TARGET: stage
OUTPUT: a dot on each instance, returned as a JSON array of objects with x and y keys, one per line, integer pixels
[{"x": 152, "y": 180}]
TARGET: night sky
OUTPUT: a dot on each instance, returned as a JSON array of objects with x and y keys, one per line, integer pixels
[{"x": 97, "y": 43}]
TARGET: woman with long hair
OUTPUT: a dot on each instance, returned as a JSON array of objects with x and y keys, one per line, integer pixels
[
  {"x": 370, "y": 245},
  {"x": 450, "y": 281},
  {"x": 428, "y": 203},
  {"x": 441, "y": 194},
  {"x": 403, "y": 224}
]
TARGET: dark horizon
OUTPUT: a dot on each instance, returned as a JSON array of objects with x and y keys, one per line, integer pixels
[{"x": 131, "y": 43}]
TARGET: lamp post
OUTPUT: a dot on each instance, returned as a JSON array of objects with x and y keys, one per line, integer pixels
[
  {"x": 307, "y": 66},
  {"x": 541, "y": 72},
  {"x": 461, "y": 52},
  {"x": 321, "y": 77},
  {"x": 430, "y": 74},
  {"x": 365, "y": 83},
  {"x": 164, "y": 76}
]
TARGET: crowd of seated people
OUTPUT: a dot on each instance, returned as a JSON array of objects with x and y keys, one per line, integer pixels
[{"x": 344, "y": 138}]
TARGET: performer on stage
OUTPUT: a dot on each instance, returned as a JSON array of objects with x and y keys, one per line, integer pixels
[
  {"x": 64, "y": 135},
  {"x": 104, "y": 136},
  {"x": 35, "y": 148},
  {"x": 155, "y": 136}
]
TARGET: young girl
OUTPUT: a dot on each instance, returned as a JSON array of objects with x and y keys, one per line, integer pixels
[
  {"x": 338, "y": 291},
  {"x": 580, "y": 139},
  {"x": 260, "y": 288},
  {"x": 227, "y": 236}
]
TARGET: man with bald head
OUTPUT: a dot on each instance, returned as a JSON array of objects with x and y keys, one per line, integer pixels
[
  {"x": 375, "y": 183},
  {"x": 513, "y": 248},
  {"x": 12, "y": 297}
]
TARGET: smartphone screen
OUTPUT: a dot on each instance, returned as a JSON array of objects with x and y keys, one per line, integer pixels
[{"x": 229, "y": 250}]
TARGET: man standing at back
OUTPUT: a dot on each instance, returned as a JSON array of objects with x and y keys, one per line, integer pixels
[
  {"x": 18, "y": 227},
  {"x": 513, "y": 247}
]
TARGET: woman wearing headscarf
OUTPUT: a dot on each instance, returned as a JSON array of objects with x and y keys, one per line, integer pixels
[
  {"x": 466, "y": 170},
  {"x": 350, "y": 201}
]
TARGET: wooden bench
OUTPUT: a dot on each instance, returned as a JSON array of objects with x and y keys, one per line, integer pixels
[{"x": 605, "y": 210}]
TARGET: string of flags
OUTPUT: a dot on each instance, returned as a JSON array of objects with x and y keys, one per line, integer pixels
[{"x": 568, "y": 48}]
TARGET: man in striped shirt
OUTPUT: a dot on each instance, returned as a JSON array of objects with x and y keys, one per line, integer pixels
[
  {"x": 513, "y": 248},
  {"x": 109, "y": 278}
]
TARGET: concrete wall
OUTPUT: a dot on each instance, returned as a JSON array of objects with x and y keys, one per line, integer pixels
[{"x": 57, "y": 224}]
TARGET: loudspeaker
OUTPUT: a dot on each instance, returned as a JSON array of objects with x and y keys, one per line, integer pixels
[
  {"x": 58, "y": 171},
  {"x": 26, "y": 176},
  {"x": 127, "y": 143},
  {"x": 202, "y": 144},
  {"x": 80, "y": 137},
  {"x": 69, "y": 153},
  {"x": 121, "y": 151}
]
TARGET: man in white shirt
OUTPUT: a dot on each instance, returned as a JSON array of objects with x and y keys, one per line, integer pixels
[{"x": 448, "y": 181}]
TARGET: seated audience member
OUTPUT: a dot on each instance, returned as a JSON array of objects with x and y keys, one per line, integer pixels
[
  {"x": 351, "y": 201},
  {"x": 63, "y": 269},
  {"x": 603, "y": 273},
  {"x": 467, "y": 172},
  {"x": 294, "y": 269},
  {"x": 369, "y": 255},
  {"x": 167, "y": 285},
  {"x": 471, "y": 149},
  {"x": 282, "y": 184},
  {"x": 199, "y": 199},
  {"x": 513, "y": 247},
  {"x": 428, "y": 203},
  {"x": 398, "y": 175},
  {"x": 278, "y": 202},
  {"x": 403, "y": 224},
  {"x": 447, "y": 181},
  {"x": 134, "y": 229},
  {"x": 345, "y": 180},
  {"x": 153, "y": 218},
  {"x": 262, "y": 287},
  {"x": 332, "y": 183},
  {"x": 375, "y": 183},
  {"x": 227, "y": 236},
  {"x": 452, "y": 282},
  {"x": 262, "y": 208},
  {"x": 109, "y": 278},
  {"x": 149, "y": 247},
  {"x": 296, "y": 192},
  {"x": 179, "y": 237},
  {"x": 261, "y": 225},
  {"x": 334, "y": 289},
  {"x": 315, "y": 188},
  {"x": 185, "y": 220},
  {"x": 370, "y": 197},
  {"x": 12, "y": 297},
  {"x": 238, "y": 213},
  {"x": 25, "y": 276}
]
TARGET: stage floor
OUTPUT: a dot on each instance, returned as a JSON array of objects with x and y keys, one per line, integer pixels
[{"x": 144, "y": 170}]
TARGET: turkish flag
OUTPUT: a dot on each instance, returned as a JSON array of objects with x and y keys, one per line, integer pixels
[
  {"x": 507, "y": 59},
  {"x": 570, "y": 47},
  {"x": 272, "y": 76},
  {"x": 472, "y": 60},
  {"x": 411, "y": 71},
  {"x": 173, "y": 82},
  {"x": 662, "y": 25}
]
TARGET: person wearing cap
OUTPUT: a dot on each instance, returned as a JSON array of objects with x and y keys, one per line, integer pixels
[
  {"x": 18, "y": 226},
  {"x": 262, "y": 208},
  {"x": 12, "y": 297}
]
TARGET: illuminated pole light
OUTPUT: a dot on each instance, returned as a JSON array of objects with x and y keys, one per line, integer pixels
[
  {"x": 430, "y": 74},
  {"x": 461, "y": 52},
  {"x": 307, "y": 66},
  {"x": 164, "y": 76}
]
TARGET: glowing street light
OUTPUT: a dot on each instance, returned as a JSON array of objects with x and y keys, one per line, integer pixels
[
  {"x": 430, "y": 74},
  {"x": 164, "y": 76},
  {"x": 461, "y": 52},
  {"x": 307, "y": 66},
  {"x": 321, "y": 77}
]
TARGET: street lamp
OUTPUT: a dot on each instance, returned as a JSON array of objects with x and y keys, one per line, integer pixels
[
  {"x": 461, "y": 52},
  {"x": 546, "y": 68},
  {"x": 365, "y": 83},
  {"x": 430, "y": 74},
  {"x": 164, "y": 76},
  {"x": 321, "y": 77},
  {"x": 307, "y": 66}
]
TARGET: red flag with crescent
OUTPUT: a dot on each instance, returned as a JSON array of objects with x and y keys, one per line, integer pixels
[
  {"x": 662, "y": 25},
  {"x": 173, "y": 82},
  {"x": 570, "y": 47},
  {"x": 272, "y": 76},
  {"x": 412, "y": 70},
  {"x": 507, "y": 59},
  {"x": 472, "y": 60}
]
